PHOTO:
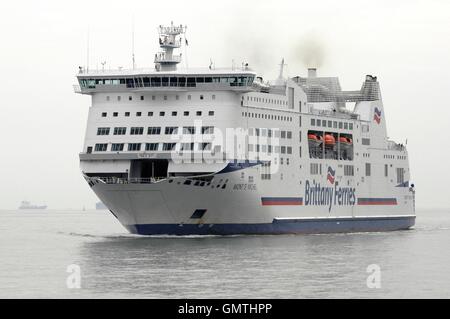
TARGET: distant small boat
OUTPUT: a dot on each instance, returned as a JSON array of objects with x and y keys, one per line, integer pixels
[
  {"x": 27, "y": 205},
  {"x": 100, "y": 206}
]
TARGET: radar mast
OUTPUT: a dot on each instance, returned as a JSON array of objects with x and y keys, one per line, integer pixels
[{"x": 169, "y": 39}]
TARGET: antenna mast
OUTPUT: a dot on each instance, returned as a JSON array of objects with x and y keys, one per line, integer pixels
[
  {"x": 132, "y": 44},
  {"x": 87, "y": 51}
]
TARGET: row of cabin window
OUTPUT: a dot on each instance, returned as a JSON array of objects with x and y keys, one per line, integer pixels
[
  {"x": 401, "y": 157},
  {"x": 168, "y": 81},
  {"x": 266, "y": 100},
  {"x": 118, "y": 147},
  {"x": 162, "y": 113},
  {"x": 154, "y": 130},
  {"x": 267, "y": 116},
  {"x": 316, "y": 169},
  {"x": 165, "y": 97},
  {"x": 269, "y": 149},
  {"x": 269, "y": 133},
  {"x": 331, "y": 124}
]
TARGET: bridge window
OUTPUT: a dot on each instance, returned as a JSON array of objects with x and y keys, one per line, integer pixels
[
  {"x": 191, "y": 82},
  {"x": 155, "y": 82}
]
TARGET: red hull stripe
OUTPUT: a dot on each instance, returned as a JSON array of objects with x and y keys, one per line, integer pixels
[
  {"x": 286, "y": 201},
  {"x": 377, "y": 201}
]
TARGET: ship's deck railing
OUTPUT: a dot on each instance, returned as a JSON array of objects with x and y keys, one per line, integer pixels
[
  {"x": 162, "y": 57},
  {"x": 393, "y": 146},
  {"x": 338, "y": 114},
  {"x": 131, "y": 180}
]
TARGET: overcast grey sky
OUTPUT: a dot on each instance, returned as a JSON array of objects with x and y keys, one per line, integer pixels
[{"x": 405, "y": 43}]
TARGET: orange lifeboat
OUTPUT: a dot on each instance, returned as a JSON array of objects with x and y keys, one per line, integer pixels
[
  {"x": 330, "y": 140},
  {"x": 314, "y": 140},
  {"x": 345, "y": 142},
  {"x": 343, "y": 139}
]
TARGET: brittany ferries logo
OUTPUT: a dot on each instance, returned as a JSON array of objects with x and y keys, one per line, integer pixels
[
  {"x": 331, "y": 175},
  {"x": 318, "y": 195},
  {"x": 377, "y": 115}
]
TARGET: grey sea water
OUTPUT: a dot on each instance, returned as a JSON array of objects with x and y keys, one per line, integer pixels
[{"x": 37, "y": 247}]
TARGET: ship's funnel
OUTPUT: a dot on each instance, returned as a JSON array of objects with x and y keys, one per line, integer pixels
[{"x": 312, "y": 72}]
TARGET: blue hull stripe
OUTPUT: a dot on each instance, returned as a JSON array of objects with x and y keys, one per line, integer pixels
[{"x": 290, "y": 226}]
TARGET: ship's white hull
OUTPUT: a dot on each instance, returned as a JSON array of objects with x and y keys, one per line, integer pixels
[{"x": 175, "y": 208}]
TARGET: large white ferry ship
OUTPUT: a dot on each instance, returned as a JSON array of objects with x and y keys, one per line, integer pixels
[{"x": 220, "y": 151}]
